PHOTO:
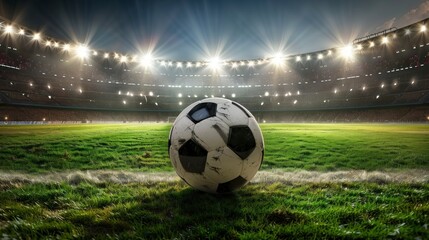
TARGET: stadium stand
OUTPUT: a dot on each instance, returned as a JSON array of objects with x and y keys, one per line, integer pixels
[{"x": 381, "y": 77}]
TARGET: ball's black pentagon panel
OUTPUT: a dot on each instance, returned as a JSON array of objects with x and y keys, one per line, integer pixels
[
  {"x": 193, "y": 157},
  {"x": 202, "y": 111},
  {"x": 231, "y": 185},
  {"x": 241, "y": 141}
]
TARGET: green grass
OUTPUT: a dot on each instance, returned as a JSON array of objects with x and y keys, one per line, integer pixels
[
  {"x": 172, "y": 210},
  {"x": 143, "y": 147}
]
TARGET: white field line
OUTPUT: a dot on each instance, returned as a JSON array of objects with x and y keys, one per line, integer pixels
[{"x": 267, "y": 176}]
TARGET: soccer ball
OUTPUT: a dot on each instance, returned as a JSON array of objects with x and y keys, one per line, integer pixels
[{"x": 216, "y": 145}]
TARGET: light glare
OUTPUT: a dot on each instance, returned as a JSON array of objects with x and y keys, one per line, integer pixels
[
  {"x": 82, "y": 51},
  {"x": 8, "y": 29}
]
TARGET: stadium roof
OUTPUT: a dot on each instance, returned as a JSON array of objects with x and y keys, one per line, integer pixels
[{"x": 206, "y": 30}]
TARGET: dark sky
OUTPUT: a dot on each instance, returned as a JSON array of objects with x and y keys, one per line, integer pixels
[{"x": 198, "y": 29}]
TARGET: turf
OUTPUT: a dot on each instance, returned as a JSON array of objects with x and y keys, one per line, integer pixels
[
  {"x": 174, "y": 211},
  {"x": 143, "y": 147}
]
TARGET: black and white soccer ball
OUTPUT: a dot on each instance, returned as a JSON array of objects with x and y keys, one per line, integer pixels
[{"x": 216, "y": 145}]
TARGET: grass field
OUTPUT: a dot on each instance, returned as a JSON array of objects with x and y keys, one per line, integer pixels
[
  {"x": 170, "y": 209},
  {"x": 143, "y": 147}
]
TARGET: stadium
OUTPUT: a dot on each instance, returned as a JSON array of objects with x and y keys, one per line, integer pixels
[
  {"x": 84, "y": 136},
  {"x": 380, "y": 77}
]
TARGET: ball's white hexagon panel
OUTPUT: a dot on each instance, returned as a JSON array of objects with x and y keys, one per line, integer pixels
[
  {"x": 211, "y": 133},
  {"x": 222, "y": 165}
]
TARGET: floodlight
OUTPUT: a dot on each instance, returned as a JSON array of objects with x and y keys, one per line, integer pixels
[
  {"x": 151, "y": 93},
  {"x": 267, "y": 94},
  {"x": 385, "y": 40},
  {"x": 233, "y": 95},
  {"x": 95, "y": 53},
  {"x": 198, "y": 64},
  {"x": 179, "y": 95},
  {"x": 251, "y": 63},
  {"x": 371, "y": 44},
  {"x": 319, "y": 56},
  {"x": 21, "y": 32},
  {"x": 180, "y": 103},
  {"x": 36, "y": 37},
  {"x": 146, "y": 60},
  {"x": 106, "y": 55},
  {"x": 8, "y": 29},
  {"x": 82, "y": 51},
  {"x": 308, "y": 57},
  {"x": 189, "y": 64},
  {"x": 407, "y": 31},
  {"x": 277, "y": 59},
  {"x": 214, "y": 63},
  {"x": 124, "y": 59},
  {"x": 359, "y": 47},
  {"x": 134, "y": 58},
  {"x": 234, "y": 65},
  {"x": 423, "y": 28},
  {"x": 56, "y": 44},
  {"x": 347, "y": 52},
  {"x": 179, "y": 64},
  {"x": 298, "y": 58},
  {"x": 66, "y": 47},
  {"x": 48, "y": 43},
  {"x": 295, "y": 102}
]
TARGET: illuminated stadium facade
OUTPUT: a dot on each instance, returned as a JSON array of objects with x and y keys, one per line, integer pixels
[{"x": 381, "y": 77}]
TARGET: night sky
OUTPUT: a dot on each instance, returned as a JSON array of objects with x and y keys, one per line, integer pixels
[{"x": 198, "y": 30}]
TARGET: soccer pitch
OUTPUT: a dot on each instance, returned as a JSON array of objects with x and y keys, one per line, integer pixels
[{"x": 45, "y": 193}]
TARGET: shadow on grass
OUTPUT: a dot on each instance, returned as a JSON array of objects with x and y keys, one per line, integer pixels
[{"x": 182, "y": 213}]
